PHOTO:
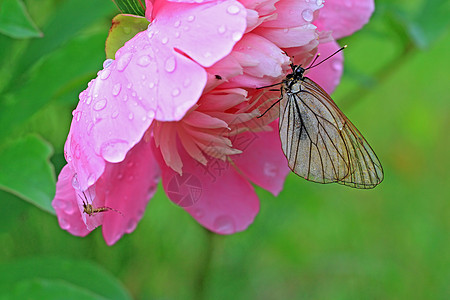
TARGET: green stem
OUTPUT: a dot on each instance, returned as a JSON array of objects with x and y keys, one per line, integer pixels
[{"x": 204, "y": 268}]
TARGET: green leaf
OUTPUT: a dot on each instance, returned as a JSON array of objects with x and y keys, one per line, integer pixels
[
  {"x": 26, "y": 171},
  {"x": 430, "y": 23},
  {"x": 57, "y": 278},
  {"x": 67, "y": 69},
  {"x": 15, "y": 21},
  {"x": 14, "y": 208},
  {"x": 123, "y": 28},
  {"x": 133, "y": 7}
]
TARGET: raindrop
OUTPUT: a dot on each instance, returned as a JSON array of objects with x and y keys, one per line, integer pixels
[
  {"x": 100, "y": 104},
  {"x": 307, "y": 15},
  {"x": 150, "y": 34},
  {"x": 151, "y": 114},
  {"x": 144, "y": 60},
  {"x": 224, "y": 225},
  {"x": 319, "y": 2},
  {"x": 176, "y": 92},
  {"x": 77, "y": 115},
  {"x": 119, "y": 176},
  {"x": 64, "y": 224},
  {"x": 170, "y": 64},
  {"x": 130, "y": 116},
  {"x": 90, "y": 128},
  {"x": 91, "y": 179},
  {"x": 177, "y": 24},
  {"x": 191, "y": 18},
  {"x": 233, "y": 9},
  {"x": 75, "y": 183},
  {"x": 222, "y": 29},
  {"x": 131, "y": 225},
  {"x": 88, "y": 100},
  {"x": 77, "y": 151},
  {"x": 151, "y": 85},
  {"x": 107, "y": 62},
  {"x": 115, "y": 114},
  {"x": 123, "y": 61},
  {"x": 177, "y": 34},
  {"x": 236, "y": 36},
  {"x": 164, "y": 40},
  {"x": 114, "y": 150},
  {"x": 116, "y": 89}
]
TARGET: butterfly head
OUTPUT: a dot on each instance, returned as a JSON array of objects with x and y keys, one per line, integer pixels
[{"x": 297, "y": 73}]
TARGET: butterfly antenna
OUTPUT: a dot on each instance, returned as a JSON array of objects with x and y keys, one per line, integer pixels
[
  {"x": 314, "y": 60},
  {"x": 336, "y": 52}
]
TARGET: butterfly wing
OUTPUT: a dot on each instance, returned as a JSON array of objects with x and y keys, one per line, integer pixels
[{"x": 320, "y": 143}]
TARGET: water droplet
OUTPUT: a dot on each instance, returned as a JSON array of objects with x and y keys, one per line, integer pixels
[
  {"x": 133, "y": 94},
  {"x": 130, "y": 164},
  {"x": 191, "y": 18},
  {"x": 130, "y": 116},
  {"x": 177, "y": 34},
  {"x": 75, "y": 182},
  {"x": 151, "y": 114},
  {"x": 170, "y": 64},
  {"x": 151, "y": 85},
  {"x": 236, "y": 36},
  {"x": 222, "y": 29},
  {"x": 90, "y": 128},
  {"x": 114, "y": 150},
  {"x": 176, "y": 92},
  {"x": 116, "y": 89},
  {"x": 224, "y": 225},
  {"x": 186, "y": 28},
  {"x": 233, "y": 9},
  {"x": 100, "y": 104},
  {"x": 164, "y": 40},
  {"x": 186, "y": 82},
  {"x": 107, "y": 63},
  {"x": 88, "y": 100},
  {"x": 270, "y": 170},
  {"x": 129, "y": 85},
  {"x": 91, "y": 179},
  {"x": 177, "y": 24},
  {"x": 126, "y": 30},
  {"x": 77, "y": 115},
  {"x": 115, "y": 114},
  {"x": 123, "y": 61},
  {"x": 319, "y": 2},
  {"x": 131, "y": 226},
  {"x": 119, "y": 176},
  {"x": 125, "y": 98},
  {"x": 150, "y": 34},
  {"x": 63, "y": 223},
  {"x": 144, "y": 60},
  {"x": 336, "y": 65},
  {"x": 286, "y": 30},
  {"x": 307, "y": 15}
]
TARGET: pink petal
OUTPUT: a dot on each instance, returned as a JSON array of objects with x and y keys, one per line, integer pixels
[
  {"x": 128, "y": 187},
  {"x": 293, "y": 13},
  {"x": 205, "y": 32},
  {"x": 287, "y": 38},
  {"x": 328, "y": 74},
  {"x": 217, "y": 196},
  {"x": 262, "y": 160},
  {"x": 65, "y": 204},
  {"x": 344, "y": 17}
]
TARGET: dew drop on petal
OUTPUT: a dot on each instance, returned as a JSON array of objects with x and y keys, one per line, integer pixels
[
  {"x": 224, "y": 225},
  {"x": 88, "y": 100},
  {"x": 177, "y": 34},
  {"x": 90, "y": 128},
  {"x": 144, "y": 60},
  {"x": 191, "y": 18},
  {"x": 170, "y": 64},
  {"x": 336, "y": 65},
  {"x": 64, "y": 224},
  {"x": 91, "y": 179},
  {"x": 177, "y": 24},
  {"x": 123, "y": 61},
  {"x": 116, "y": 89},
  {"x": 151, "y": 114},
  {"x": 77, "y": 151},
  {"x": 150, "y": 34},
  {"x": 75, "y": 183},
  {"x": 129, "y": 85},
  {"x": 130, "y": 116},
  {"x": 221, "y": 29},
  {"x": 105, "y": 74},
  {"x": 319, "y": 2},
  {"x": 236, "y": 36},
  {"x": 233, "y": 9},
  {"x": 176, "y": 92},
  {"x": 151, "y": 85},
  {"x": 307, "y": 15},
  {"x": 165, "y": 40},
  {"x": 114, "y": 150},
  {"x": 107, "y": 62},
  {"x": 100, "y": 104},
  {"x": 186, "y": 82},
  {"x": 115, "y": 114},
  {"x": 77, "y": 115},
  {"x": 119, "y": 176},
  {"x": 131, "y": 226}
]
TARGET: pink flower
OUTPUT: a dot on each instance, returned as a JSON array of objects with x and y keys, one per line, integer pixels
[{"x": 178, "y": 103}]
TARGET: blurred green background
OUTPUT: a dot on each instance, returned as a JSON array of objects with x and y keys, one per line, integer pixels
[{"x": 312, "y": 242}]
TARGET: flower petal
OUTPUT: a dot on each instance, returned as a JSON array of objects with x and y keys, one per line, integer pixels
[
  {"x": 291, "y": 37},
  {"x": 65, "y": 204},
  {"x": 206, "y": 32},
  {"x": 262, "y": 159},
  {"x": 217, "y": 196},
  {"x": 293, "y": 13},
  {"x": 127, "y": 187},
  {"x": 344, "y": 17},
  {"x": 328, "y": 74}
]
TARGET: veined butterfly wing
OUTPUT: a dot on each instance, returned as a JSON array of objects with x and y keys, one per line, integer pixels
[{"x": 319, "y": 141}]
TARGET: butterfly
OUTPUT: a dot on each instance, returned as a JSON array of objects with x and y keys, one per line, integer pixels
[{"x": 318, "y": 140}]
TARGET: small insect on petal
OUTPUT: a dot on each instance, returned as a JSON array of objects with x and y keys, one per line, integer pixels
[
  {"x": 318, "y": 140},
  {"x": 91, "y": 210}
]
